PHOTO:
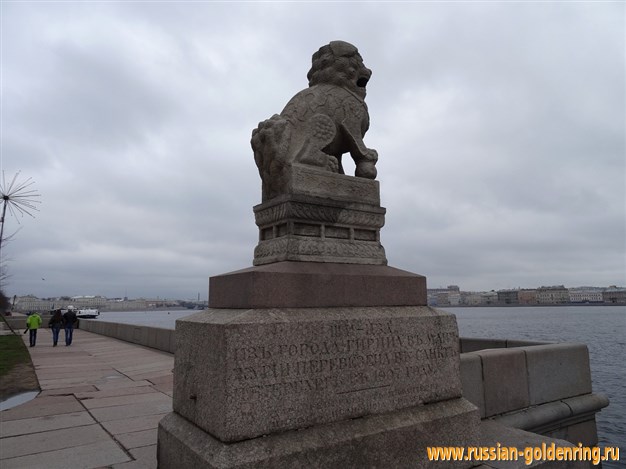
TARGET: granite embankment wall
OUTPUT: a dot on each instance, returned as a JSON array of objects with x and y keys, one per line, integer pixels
[
  {"x": 154, "y": 337},
  {"x": 540, "y": 387}
]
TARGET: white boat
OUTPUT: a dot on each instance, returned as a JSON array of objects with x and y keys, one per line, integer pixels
[
  {"x": 87, "y": 313},
  {"x": 84, "y": 313}
]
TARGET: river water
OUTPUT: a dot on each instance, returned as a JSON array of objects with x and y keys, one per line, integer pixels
[{"x": 602, "y": 328}]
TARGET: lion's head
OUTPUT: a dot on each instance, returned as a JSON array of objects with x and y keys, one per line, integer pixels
[{"x": 339, "y": 63}]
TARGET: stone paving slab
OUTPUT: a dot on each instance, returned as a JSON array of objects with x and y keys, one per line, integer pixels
[
  {"x": 117, "y": 427},
  {"x": 145, "y": 458},
  {"x": 47, "y": 423},
  {"x": 53, "y": 367},
  {"x": 126, "y": 391},
  {"x": 22, "y": 445},
  {"x": 71, "y": 373},
  {"x": 95, "y": 403},
  {"x": 165, "y": 389},
  {"x": 95, "y": 455},
  {"x": 133, "y": 410},
  {"x": 97, "y": 407},
  {"x": 135, "y": 464},
  {"x": 138, "y": 439},
  {"x": 65, "y": 382},
  {"x": 151, "y": 368},
  {"x": 67, "y": 391},
  {"x": 146, "y": 455},
  {"x": 80, "y": 376},
  {"x": 125, "y": 384},
  {"x": 144, "y": 368},
  {"x": 151, "y": 375},
  {"x": 43, "y": 406},
  {"x": 167, "y": 379},
  {"x": 57, "y": 361}
]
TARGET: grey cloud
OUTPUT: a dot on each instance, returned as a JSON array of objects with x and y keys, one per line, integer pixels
[{"x": 500, "y": 129}]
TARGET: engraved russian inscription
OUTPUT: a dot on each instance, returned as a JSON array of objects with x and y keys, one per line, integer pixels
[{"x": 341, "y": 368}]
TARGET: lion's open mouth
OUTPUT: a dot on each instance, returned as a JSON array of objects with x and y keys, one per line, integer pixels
[{"x": 362, "y": 82}]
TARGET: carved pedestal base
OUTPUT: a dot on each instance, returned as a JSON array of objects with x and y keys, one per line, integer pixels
[
  {"x": 319, "y": 249},
  {"x": 308, "y": 225}
]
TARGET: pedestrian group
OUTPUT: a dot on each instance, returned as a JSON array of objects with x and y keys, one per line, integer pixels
[{"x": 59, "y": 320}]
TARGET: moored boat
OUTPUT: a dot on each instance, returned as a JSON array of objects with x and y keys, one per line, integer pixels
[
  {"x": 81, "y": 313},
  {"x": 87, "y": 313}
]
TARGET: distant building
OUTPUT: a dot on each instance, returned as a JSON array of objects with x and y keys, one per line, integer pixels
[
  {"x": 489, "y": 297},
  {"x": 614, "y": 295},
  {"x": 508, "y": 297},
  {"x": 471, "y": 298},
  {"x": 527, "y": 296},
  {"x": 449, "y": 296},
  {"x": 586, "y": 295},
  {"x": 454, "y": 298},
  {"x": 32, "y": 303},
  {"x": 441, "y": 299},
  {"x": 141, "y": 303},
  {"x": 97, "y": 302},
  {"x": 127, "y": 305},
  {"x": 555, "y": 295}
]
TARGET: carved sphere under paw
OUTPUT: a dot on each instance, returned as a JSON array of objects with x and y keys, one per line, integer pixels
[{"x": 366, "y": 169}]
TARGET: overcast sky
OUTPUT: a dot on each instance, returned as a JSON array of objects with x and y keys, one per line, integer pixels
[{"x": 500, "y": 129}]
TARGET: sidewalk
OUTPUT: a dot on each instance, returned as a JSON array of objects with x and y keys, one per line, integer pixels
[{"x": 100, "y": 405}]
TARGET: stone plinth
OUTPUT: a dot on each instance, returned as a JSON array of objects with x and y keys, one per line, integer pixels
[
  {"x": 271, "y": 370},
  {"x": 325, "y": 217},
  {"x": 315, "y": 285},
  {"x": 309, "y": 181},
  {"x": 395, "y": 440}
]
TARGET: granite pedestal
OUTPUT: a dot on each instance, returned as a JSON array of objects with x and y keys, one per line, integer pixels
[
  {"x": 271, "y": 370},
  {"x": 315, "y": 386}
]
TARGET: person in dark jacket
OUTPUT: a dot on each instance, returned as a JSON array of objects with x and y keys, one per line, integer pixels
[
  {"x": 55, "y": 323},
  {"x": 69, "y": 319}
]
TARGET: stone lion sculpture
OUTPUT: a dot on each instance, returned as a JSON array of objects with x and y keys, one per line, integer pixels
[{"x": 319, "y": 124}]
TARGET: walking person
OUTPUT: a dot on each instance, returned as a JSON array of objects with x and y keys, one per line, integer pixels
[
  {"x": 69, "y": 319},
  {"x": 55, "y": 323},
  {"x": 32, "y": 324}
]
